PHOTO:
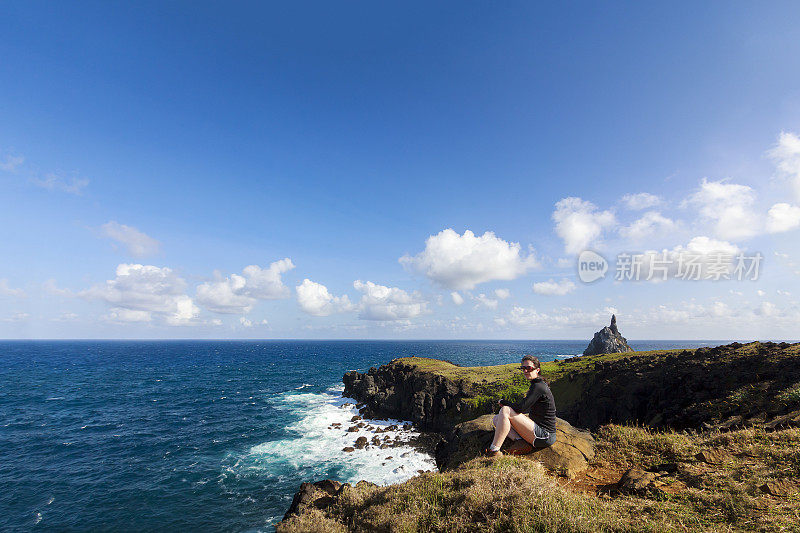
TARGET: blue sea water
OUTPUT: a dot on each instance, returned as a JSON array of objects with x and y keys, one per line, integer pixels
[{"x": 196, "y": 435}]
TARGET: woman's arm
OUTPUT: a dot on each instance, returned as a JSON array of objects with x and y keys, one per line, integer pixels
[{"x": 527, "y": 403}]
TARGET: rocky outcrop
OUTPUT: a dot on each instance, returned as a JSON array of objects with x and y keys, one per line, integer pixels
[
  {"x": 569, "y": 455},
  {"x": 400, "y": 390},
  {"x": 608, "y": 340},
  {"x": 313, "y": 495}
]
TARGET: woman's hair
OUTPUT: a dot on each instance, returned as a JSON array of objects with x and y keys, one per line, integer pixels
[{"x": 534, "y": 360}]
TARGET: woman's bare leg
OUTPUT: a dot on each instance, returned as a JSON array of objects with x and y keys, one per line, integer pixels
[
  {"x": 523, "y": 425},
  {"x": 502, "y": 425}
]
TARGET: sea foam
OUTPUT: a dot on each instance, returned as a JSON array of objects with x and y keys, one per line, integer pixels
[{"x": 316, "y": 450}]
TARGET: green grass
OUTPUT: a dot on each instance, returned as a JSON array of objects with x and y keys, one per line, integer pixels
[{"x": 790, "y": 395}]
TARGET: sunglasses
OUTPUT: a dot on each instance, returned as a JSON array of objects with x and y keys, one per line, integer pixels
[{"x": 527, "y": 368}]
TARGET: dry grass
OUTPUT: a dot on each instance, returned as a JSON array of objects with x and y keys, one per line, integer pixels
[
  {"x": 507, "y": 494},
  {"x": 516, "y": 495},
  {"x": 719, "y": 496}
]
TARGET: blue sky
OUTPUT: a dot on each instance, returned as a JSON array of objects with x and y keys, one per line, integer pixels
[{"x": 151, "y": 152}]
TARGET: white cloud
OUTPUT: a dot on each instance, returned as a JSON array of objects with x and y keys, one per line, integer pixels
[
  {"x": 767, "y": 309},
  {"x": 761, "y": 293},
  {"x": 457, "y": 298},
  {"x": 6, "y": 290},
  {"x": 51, "y": 287},
  {"x": 502, "y": 294},
  {"x": 703, "y": 245},
  {"x": 529, "y": 318},
  {"x": 720, "y": 309},
  {"x": 728, "y": 206},
  {"x": 17, "y": 317},
  {"x": 463, "y": 261},
  {"x": 641, "y": 200},
  {"x": 786, "y": 155},
  {"x": 651, "y": 223},
  {"x": 388, "y": 303},
  {"x": 238, "y": 294},
  {"x": 782, "y": 217},
  {"x": 247, "y": 323},
  {"x": 120, "y": 314},
  {"x": 11, "y": 163},
  {"x": 580, "y": 224},
  {"x": 226, "y": 295},
  {"x": 485, "y": 301},
  {"x": 54, "y": 182},
  {"x": 315, "y": 299},
  {"x": 138, "y": 244},
  {"x": 66, "y": 317},
  {"x": 149, "y": 290},
  {"x": 265, "y": 283},
  {"x": 554, "y": 288}
]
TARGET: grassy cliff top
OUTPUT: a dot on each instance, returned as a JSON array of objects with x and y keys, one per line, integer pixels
[
  {"x": 568, "y": 378},
  {"x": 553, "y": 370},
  {"x": 499, "y": 377}
]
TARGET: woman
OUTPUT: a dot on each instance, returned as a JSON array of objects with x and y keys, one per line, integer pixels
[{"x": 536, "y": 430}]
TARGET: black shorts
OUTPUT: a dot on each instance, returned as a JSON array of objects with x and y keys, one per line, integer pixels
[{"x": 543, "y": 438}]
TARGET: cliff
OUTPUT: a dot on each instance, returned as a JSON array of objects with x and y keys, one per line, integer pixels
[
  {"x": 726, "y": 386},
  {"x": 433, "y": 394}
]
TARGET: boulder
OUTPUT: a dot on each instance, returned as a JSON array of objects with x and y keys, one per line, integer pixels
[
  {"x": 713, "y": 456},
  {"x": 361, "y": 442},
  {"x": 318, "y": 495},
  {"x": 570, "y": 454},
  {"x": 608, "y": 340},
  {"x": 636, "y": 481}
]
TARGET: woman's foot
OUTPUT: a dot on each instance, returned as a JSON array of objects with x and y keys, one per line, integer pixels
[
  {"x": 520, "y": 447},
  {"x": 488, "y": 452}
]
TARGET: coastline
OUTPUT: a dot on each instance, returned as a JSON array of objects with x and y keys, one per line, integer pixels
[{"x": 443, "y": 397}]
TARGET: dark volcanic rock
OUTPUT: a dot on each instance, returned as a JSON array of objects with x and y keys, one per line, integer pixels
[
  {"x": 608, "y": 340},
  {"x": 690, "y": 389},
  {"x": 319, "y": 495},
  {"x": 399, "y": 390}
]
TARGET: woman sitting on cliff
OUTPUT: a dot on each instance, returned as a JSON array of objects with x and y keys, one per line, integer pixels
[{"x": 535, "y": 431}]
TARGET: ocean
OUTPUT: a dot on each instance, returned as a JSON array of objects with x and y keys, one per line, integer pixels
[{"x": 198, "y": 435}]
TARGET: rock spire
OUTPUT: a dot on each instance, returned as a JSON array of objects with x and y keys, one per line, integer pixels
[{"x": 608, "y": 340}]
